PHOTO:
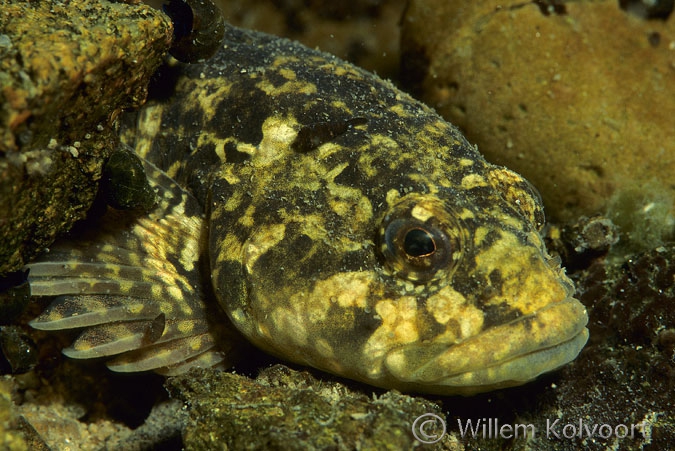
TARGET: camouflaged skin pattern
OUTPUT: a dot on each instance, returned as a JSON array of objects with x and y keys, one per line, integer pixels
[{"x": 346, "y": 226}]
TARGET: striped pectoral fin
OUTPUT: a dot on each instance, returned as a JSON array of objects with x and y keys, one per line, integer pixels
[{"x": 133, "y": 283}]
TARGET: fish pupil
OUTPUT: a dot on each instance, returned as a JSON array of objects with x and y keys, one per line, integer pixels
[{"x": 419, "y": 243}]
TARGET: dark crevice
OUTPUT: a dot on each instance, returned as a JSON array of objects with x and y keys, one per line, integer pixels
[{"x": 659, "y": 9}]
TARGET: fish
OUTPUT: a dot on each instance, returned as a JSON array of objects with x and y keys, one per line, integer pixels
[{"x": 306, "y": 206}]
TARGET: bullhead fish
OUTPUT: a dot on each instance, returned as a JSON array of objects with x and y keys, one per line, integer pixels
[{"x": 329, "y": 218}]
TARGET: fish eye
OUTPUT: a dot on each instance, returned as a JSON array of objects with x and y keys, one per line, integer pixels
[{"x": 419, "y": 248}]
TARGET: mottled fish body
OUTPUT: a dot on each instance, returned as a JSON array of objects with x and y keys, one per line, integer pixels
[{"x": 337, "y": 222}]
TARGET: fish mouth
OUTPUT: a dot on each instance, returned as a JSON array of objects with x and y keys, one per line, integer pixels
[{"x": 506, "y": 355}]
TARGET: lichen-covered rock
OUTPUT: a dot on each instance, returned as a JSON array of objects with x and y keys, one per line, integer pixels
[
  {"x": 579, "y": 97},
  {"x": 66, "y": 72}
]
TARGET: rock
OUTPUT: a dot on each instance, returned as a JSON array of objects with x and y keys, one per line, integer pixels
[
  {"x": 628, "y": 365},
  {"x": 288, "y": 409},
  {"x": 578, "y": 97},
  {"x": 66, "y": 71},
  {"x": 10, "y": 438}
]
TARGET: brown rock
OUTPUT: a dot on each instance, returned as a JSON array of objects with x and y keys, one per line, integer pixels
[
  {"x": 579, "y": 97},
  {"x": 66, "y": 71}
]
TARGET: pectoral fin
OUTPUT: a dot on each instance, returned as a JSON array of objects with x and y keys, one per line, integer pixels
[{"x": 134, "y": 283}]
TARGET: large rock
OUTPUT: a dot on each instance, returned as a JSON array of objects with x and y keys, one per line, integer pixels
[
  {"x": 66, "y": 72},
  {"x": 579, "y": 97}
]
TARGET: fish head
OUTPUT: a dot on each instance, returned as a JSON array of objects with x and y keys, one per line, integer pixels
[{"x": 393, "y": 264}]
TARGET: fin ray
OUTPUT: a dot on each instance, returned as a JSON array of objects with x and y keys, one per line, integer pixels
[
  {"x": 109, "y": 339},
  {"x": 209, "y": 359},
  {"x": 69, "y": 312},
  {"x": 90, "y": 286},
  {"x": 162, "y": 354},
  {"x": 74, "y": 268}
]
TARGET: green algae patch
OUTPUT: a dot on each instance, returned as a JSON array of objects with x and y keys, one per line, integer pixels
[{"x": 645, "y": 217}]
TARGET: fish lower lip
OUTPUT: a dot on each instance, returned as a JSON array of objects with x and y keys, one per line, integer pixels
[{"x": 509, "y": 354}]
